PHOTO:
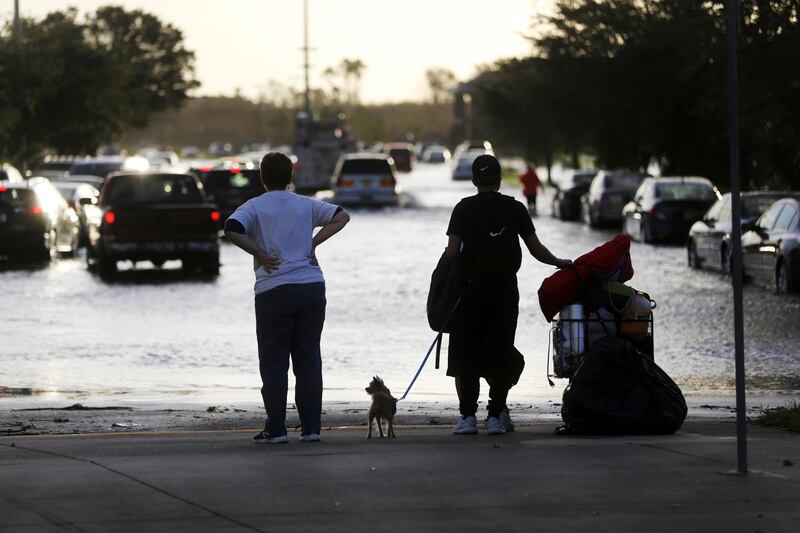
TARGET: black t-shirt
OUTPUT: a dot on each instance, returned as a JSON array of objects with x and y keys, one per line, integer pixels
[{"x": 476, "y": 216}]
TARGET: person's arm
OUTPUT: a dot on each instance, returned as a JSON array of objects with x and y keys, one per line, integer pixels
[
  {"x": 540, "y": 252},
  {"x": 235, "y": 233},
  {"x": 453, "y": 247},
  {"x": 337, "y": 223}
]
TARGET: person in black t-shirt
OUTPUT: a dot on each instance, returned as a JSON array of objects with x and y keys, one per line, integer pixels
[{"x": 483, "y": 236}]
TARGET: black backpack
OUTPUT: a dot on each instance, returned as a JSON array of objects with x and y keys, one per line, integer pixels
[{"x": 491, "y": 250}]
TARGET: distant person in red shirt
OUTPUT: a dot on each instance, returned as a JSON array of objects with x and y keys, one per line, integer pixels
[{"x": 530, "y": 186}]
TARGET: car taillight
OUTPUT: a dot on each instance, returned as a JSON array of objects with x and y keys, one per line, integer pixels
[
  {"x": 387, "y": 182},
  {"x": 655, "y": 213},
  {"x": 235, "y": 170},
  {"x": 215, "y": 216},
  {"x": 109, "y": 217},
  {"x": 345, "y": 182}
]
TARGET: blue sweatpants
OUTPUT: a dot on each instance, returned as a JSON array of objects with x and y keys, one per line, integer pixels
[{"x": 289, "y": 321}]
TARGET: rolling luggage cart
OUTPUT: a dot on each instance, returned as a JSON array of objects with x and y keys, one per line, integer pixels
[{"x": 576, "y": 329}]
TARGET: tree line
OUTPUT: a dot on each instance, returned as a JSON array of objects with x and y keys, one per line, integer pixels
[
  {"x": 71, "y": 84},
  {"x": 632, "y": 82}
]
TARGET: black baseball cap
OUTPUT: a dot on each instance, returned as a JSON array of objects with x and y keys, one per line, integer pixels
[{"x": 485, "y": 169}]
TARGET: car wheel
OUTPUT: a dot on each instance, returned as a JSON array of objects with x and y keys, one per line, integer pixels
[
  {"x": 106, "y": 266},
  {"x": 691, "y": 255},
  {"x": 783, "y": 283},
  {"x": 726, "y": 260},
  {"x": 647, "y": 233}
]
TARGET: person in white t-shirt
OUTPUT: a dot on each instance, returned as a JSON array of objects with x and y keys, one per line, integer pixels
[{"x": 277, "y": 229}]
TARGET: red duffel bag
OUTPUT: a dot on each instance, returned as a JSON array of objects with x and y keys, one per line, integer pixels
[{"x": 611, "y": 260}]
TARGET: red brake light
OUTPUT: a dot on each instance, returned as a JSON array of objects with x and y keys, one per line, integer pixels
[
  {"x": 109, "y": 217},
  {"x": 388, "y": 182},
  {"x": 3, "y": 189},
  {"x": 215, "y": 216},
  {"x": 36, "y": 210},
  {"x": 235, "y": 170}
]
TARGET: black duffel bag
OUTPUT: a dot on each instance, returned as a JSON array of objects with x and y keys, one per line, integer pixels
[{"x": 618, "y": 390}]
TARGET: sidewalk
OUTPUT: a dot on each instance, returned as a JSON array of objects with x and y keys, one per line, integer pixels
[{"x": 425, "y": 480}]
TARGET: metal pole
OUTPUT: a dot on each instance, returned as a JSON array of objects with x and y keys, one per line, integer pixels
[
  {"x": 307, "y": 95},
  {"x": 16, "y": 18},
  {"x": 732, "y": 18}
]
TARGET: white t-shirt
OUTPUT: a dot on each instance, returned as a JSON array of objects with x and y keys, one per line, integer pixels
[{"x": 282, "y": 223}]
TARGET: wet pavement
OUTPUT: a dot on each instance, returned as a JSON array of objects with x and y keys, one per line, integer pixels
[{"x": 159, "y": 336}]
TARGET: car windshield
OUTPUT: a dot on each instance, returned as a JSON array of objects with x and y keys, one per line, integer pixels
[
  {"x": 753, "y": 206},
  {"x": 401, "y": 153},
  {"x": 366, "y": 166},
  {"x": 624, "y": 181},
  {"x": 581, "y": 179},
  {"x": 686, "y": 190},
  {"x": 95, "y": 169},
  {"x": 217, "y": 180},
  {"x": 153, "y": 189},
  {"x": 16, "y": 197},
  {"x": 67, "y": 190}
]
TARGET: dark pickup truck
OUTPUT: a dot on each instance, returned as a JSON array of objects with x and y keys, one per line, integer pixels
[{"x": 155, "y": 217}]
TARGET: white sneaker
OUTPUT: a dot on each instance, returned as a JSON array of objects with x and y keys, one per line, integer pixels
[
  {"x": 466, "y": 425},
  {"x": 494, "y": 426},
  {"x": 311, "y": 437},
  {"x": 263, "y": 438},
  {"x": 505, "y": 419}
]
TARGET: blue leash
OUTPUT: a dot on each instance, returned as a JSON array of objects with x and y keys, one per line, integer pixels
[{"x": 436, "y": 341}]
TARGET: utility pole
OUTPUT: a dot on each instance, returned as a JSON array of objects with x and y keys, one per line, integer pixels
[
  {"x": 732, "y": 22},
  {"x": 16, "y": 19},
  {"x": 306, "y": 66}
]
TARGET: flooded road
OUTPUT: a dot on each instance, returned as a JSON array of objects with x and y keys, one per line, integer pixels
[{"x": 160, "y": 336}]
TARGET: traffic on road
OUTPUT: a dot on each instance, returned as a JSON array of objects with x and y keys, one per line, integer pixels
[{"x": 160, "y": 322}]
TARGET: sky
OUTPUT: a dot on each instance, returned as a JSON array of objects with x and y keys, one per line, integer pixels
[{"x": 245, "y": 44}]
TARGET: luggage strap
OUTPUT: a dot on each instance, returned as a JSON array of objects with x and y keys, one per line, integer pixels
[{"x": 437, "y": 343}]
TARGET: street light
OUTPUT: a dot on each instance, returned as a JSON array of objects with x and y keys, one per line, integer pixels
[{"x": 732, "y": 23}]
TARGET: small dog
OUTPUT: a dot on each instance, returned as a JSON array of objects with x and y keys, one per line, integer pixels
[{"x": 383, "y": 407}]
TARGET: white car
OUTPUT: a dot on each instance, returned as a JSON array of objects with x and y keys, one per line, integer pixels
[
  {"x": 436, "y": 154},
  {"x": 462, "y": 170},
  {"x": 367, "y": 179}
]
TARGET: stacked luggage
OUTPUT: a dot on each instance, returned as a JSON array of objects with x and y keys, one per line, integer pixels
[{"x": 603, "y": 343}]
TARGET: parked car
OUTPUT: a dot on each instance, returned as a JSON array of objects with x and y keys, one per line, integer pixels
[
  {"x": 607, "y": 195},
  {"x": 709, "y": 243},
  {"x": 436, "y": 154},
  {"x": 771, "y": 249},
  {"x": 36, "y": 222},
  {"x": 664, "y": 209},
  {"x": 231, "y": 187},
  {"x": 365, "y": 179},
  {"x": 9, "y": 174},
  {"x": 64, "y": 219},
  {"x": 462, "y": 170},
  {"x": 103, "y": 166},
  {"x": 475, "y": 145},
  {"x": 25, "y": 229},
  {"x": 82, "y": 197},
  {"x": 54, "y": 166},
  {"x": 570, "y": 189},
  {"x": 403, "y": 155},
  {"x": 155, "y": 217}
]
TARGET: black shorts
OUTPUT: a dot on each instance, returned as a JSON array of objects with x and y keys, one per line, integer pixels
[{"x": 482, "y": 338}]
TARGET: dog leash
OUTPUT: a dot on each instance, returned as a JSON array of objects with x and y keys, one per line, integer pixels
[{"x": 437, "y": 343}]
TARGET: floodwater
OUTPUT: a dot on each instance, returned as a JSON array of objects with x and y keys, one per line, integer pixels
[{"x": 159, "y": 336}]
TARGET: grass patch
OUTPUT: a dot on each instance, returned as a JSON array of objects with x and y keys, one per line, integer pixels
[{"x": 787, "y": 417}]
